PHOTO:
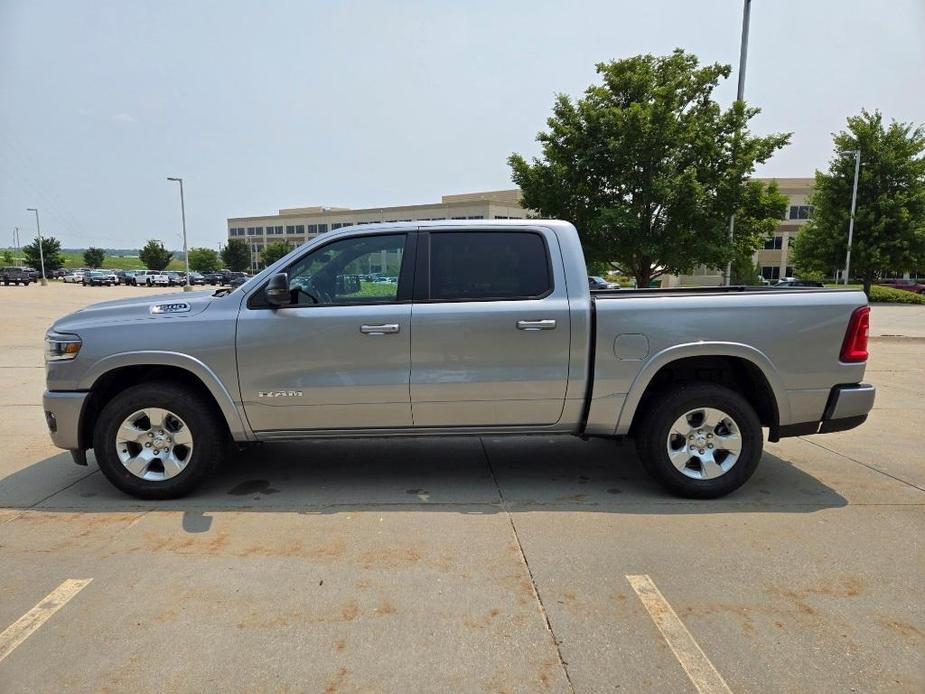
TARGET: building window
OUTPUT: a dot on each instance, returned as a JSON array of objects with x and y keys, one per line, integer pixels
[
  {"x": 290, "y": 229},
  {"x": 801, "y": 211},
  {"x": 774, "y": 243},
  {"x": 478, "y": 216},
  {"x": 300, "y": 228},
  {"x": 770, "y": 272},
  {"x": 322, "y": 228},
  {"x": 457, "y": 217},
  {"x": 789, "y": 271}
]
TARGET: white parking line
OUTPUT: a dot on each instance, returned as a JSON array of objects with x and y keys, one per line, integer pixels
[
  {"x": 23, "y": 627},
  {"x": 694, "y": 661}
]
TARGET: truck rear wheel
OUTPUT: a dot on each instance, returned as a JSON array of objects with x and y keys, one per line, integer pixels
[
  {"x": 700, "y": 440},
  {"x": 158, "y": 440}
]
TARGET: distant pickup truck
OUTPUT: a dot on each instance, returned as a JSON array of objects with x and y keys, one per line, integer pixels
[
  {"x": 490, "y": 329},
  {"x": 16, "y": 275}
]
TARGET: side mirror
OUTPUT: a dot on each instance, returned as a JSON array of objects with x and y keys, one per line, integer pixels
[{"x": 277, "y": 290}]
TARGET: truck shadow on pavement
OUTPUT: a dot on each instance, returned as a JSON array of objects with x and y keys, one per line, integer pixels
[{"x": 462, "y": 474}]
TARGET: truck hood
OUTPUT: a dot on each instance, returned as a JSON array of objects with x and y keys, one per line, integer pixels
[{"x": 159, "y": 307}]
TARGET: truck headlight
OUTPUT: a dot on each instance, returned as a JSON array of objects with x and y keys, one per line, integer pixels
[{"x": 60, "y": 347}]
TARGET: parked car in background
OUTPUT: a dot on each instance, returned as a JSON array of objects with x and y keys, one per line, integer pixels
[
  {"x": 196, "y": 279},
  {"x": 595, "y": 282},
  {"x": 213, "y": 278},
  {"x": 74, "y": 277},
  {"x": 16, "y": 275},
  {"x": 99, "y": 278},
  {"x": 59, "y": 274},
  {"x": 174, "y": 279},
  {"x": 484, "y": 334},
  {"x": 793, "y": 283},
  {"x": 904, "y": 284},
  {"x": 238, "y": 279},
  {"x": 126, "y": 277}
]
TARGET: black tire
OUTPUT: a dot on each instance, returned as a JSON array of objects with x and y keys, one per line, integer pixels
[
  {"x": 208, "y": 430},
  {"x": 654, "y": 429}
]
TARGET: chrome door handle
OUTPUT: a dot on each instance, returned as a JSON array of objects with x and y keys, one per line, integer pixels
[
  {"x": 379, "y": 329},
  {"x": 547, "y": 324}
]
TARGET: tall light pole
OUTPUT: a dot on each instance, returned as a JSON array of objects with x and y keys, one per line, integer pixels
[
  {"x": 854, "y": 201},
  {"x": 38, "y": 228},
  {"x": 186, "y": 287},
  {"x": 740, "y": 95}
]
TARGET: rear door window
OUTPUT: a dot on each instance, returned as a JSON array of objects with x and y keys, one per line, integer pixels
[{"x": 488, "y": 265}]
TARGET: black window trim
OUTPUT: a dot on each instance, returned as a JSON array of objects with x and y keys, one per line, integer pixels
[
  {"x": 422, "y": 274},
  {"x": 257, "y": 299}
]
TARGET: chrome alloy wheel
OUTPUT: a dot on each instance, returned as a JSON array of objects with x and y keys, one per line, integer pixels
[
  {"x": 154, "y": 444},
  {"x": 704, "y": 443}
]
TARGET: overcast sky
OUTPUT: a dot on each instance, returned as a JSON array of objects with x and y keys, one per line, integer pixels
[{"x": 262, "y": 105}]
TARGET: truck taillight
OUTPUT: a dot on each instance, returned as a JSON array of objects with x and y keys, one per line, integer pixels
[{"x": 854, "y": 348}]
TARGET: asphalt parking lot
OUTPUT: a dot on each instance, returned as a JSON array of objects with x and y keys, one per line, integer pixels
[{"x": 465, "y": 564}]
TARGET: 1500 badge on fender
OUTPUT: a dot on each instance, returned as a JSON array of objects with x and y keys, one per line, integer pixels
[{"x": 279, "y": 394}]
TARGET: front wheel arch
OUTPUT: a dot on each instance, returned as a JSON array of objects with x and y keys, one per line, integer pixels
[{"x": 116, "y": 380}]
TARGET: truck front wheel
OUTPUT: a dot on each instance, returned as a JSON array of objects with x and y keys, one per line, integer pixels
[
  {"x": 158, "y": 440},
  {"x": 700, "y": 440}
]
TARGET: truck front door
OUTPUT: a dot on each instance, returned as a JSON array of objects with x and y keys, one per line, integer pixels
[{"x": 339, "y": 356}]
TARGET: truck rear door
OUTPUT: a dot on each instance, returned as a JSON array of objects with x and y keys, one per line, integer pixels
[{"x": 489, "y": 328}]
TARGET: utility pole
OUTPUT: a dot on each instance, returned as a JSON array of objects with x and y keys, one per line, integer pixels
[
  {"x": 38, "y": 228},
  {"x": 187, "y": 287},
  {"x": 854, "y": 201},
  {"x": 740, "y": 95}
]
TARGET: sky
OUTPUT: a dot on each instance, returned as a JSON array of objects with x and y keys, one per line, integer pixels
[{"x": 261, "y": 105}]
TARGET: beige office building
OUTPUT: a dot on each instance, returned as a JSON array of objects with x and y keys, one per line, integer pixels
[{"x": 294, "y": 226}]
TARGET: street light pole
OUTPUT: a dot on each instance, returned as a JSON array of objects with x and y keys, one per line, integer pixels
[
  {"x": 187, "y": 287},
  {"x": 740, "y": 95},
  {"x": 854, "y": 202},
  {"x": 38, "y": 228}
]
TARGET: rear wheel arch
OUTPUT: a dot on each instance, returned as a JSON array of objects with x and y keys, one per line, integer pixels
[{"x": 734, "y": 371}]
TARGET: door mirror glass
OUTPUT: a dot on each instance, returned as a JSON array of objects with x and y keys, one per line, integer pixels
[{"x": 277, "y": 291}]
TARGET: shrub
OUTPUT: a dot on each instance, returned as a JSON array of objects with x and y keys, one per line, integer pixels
[{"x": 888, "y": 295}]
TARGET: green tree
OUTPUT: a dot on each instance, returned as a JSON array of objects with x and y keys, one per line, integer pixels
[
  {"x": 889, "y": 225},
  {"x": 51, "y": 248},
  {"x": 236, "y": 255},
  {"x": 8, "y": 258},
  {"x": 154, "y": 255},
  {"x": 274, "y": 251},
  {"x": 203, "y": 260},
  {"x": 649, "y": 167},
  {"x": 93, "y": 257}
]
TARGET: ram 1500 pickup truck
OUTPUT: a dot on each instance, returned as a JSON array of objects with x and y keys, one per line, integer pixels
[{"x": 438, "y": 328}]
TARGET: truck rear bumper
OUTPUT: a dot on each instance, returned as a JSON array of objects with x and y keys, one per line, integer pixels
[
  {"x": 847, "y": 408},
  {"x": 62, "y": 415}
]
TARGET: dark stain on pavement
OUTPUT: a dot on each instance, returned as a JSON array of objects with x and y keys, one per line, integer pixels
[{"x": 252, "y": 487}]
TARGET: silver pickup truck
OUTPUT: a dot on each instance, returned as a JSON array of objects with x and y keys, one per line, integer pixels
[{"x": 439, "y": 328}]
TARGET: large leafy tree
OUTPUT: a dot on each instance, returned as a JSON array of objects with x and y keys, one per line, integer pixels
[
  {"x": 274, "y": 251},
  {"x": 649, "y": 167},
  {"x": 94, "y": 257},
  {"x": 203, "y": 260},
  {"x": 51, "y": 248},
  {"x": 154, "y": 255},
  {"x": 889, "y": 225},
  {"x": 236, "y": 255}
]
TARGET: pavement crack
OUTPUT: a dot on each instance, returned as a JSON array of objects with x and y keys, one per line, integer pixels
[
  {"x": 868, "y": 466},
  {"x": 523, "y": 558}
]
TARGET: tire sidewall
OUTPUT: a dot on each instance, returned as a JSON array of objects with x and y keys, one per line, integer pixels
[
  {"x": 654, "y": 436},
  {"x": 208, "y": 439}
]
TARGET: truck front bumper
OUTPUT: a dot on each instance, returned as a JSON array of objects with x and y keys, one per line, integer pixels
[
  {"x": 847, "y": 408},
  {"x": 62, "y": 415}
]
